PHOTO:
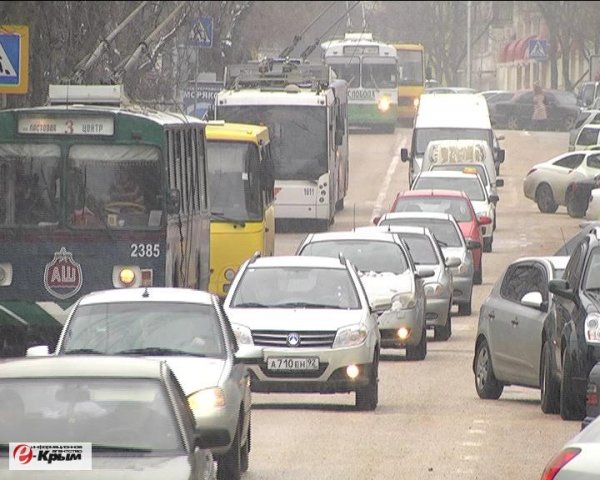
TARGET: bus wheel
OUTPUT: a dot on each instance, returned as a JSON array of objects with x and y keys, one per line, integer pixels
[{"x": 339, "y": 205}]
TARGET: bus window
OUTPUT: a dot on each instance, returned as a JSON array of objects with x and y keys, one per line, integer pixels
[
  {"x": 349, "y": 71},
  {"x": 378, "y": 75}
]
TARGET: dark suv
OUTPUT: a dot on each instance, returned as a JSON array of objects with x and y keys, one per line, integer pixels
[{"x": 576, "y": 335}]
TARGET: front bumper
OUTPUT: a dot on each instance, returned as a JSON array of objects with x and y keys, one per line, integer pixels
[
  {"x": 391, "y": 321},
  {"x": 436, "y": 314}
]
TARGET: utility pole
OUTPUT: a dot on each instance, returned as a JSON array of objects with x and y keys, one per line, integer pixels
[{"x": 469, "y": 43}]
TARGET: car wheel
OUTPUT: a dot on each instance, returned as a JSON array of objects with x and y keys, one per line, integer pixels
[
  {"x": 486, "y": 384},
  {"x": 229, "y": 466},
  {"x": 367, "y": 397},
  {"x": 419, "y": 351},
  {"x": 571, "y": 406},
  {"x": 464, "y": 309},
  {"x": 478, "y": 276},
  {"x": 550, "y": 388},
  {"x": 545, "y": 199},
  {"x": 245, "y": 449},
  {"x": 443, "y": 332},
  {"x": 575, "y": 206},
  {"x": 513, "y": 123}
]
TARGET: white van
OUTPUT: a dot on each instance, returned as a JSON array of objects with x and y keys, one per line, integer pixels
[
  {"x": 462, "y": 153},
  {"x": 450, "y": 117}
]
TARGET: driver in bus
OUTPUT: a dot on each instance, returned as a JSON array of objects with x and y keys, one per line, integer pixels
[{"x": 125, "y": 189}]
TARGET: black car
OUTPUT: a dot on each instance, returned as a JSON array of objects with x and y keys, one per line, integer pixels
[
  {"x": 575, "y": 337},
  {"x": 561, "y": 108},
  {"x": 592, "y": 406}
]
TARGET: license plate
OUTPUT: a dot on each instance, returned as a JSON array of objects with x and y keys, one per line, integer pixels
[{"x": 293, "y": 363}]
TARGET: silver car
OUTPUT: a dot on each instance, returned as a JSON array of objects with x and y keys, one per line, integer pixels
[
  {"x": 448, "y": 234},
  {"x": 579, "y": 458},
  {"x": 187, "y": 328},
  {"x": 515, "y": 320},
  {"x": 426, "y": 252},
  {"x": 132, "y": 411},
  {"x": 312, "y": 317},
  {"x": 393, "y": 283}
]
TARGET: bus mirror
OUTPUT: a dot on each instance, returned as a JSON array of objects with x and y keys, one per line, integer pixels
[
  {"x": 501, "y": 154},
  {"x": 339, "y": 137},
  {"x": 173, "y": 201},
  {"x": 404, "y": 155}
]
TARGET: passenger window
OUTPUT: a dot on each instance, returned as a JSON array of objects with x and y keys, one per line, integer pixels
[
  {"x": 588, "y": 136},
  {"x": 570, "y": 161},
  {"x": 574, "y": 267},
  {"x": 593, "y": 161},
  {"x": 516, "y": 283}
]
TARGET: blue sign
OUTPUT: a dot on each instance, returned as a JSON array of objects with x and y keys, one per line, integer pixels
[
  {"x": 9, "y": 59},
  {"x": 538, "y": 49},
  {"x": 202, "y": 33}
]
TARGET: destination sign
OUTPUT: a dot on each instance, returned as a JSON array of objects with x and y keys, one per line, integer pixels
[{"x": 65, "y": 125}]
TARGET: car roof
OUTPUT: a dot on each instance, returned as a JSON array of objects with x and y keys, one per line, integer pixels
[
  {"x": 447, "y": 173},
  {"x": 434, "y": 215},
  {"x": 559, "y": 262},
  {"x": 150, "y": 294},
  {"x": 309, "y": 261},
  {"x": 409, "y": 229},
  {"x": 351, "y": 235},
  {"x": 82, "y": 366},
  {"x": 436, "y": 192}
]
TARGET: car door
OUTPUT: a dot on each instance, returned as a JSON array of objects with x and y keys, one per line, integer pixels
[
  {"x": 590, "y": 168},
  {"x": 562, "y": 174},
  {"x": 524, "y": 109}
]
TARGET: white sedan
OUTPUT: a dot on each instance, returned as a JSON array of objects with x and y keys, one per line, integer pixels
[{"x": 550, "y": 183}]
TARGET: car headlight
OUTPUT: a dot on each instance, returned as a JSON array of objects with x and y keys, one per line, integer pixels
[
  {"x": 434, "y": 290},
  {"x": 205, "y": 401},
  {"x": 592, "y": 328},
  {"x": 243, "y": 335},
  {"x": 350, "y": 336},
  {"x": 383, "y": 104},
  {"x": 402, "y": 301}
]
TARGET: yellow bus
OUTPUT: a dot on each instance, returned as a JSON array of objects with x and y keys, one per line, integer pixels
[
  {"x": 240, "y": 187},
  {"x": 411, "y": 78}
]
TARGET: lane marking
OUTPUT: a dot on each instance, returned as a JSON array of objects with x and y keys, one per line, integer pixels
[{"x": 387, "y": 180}]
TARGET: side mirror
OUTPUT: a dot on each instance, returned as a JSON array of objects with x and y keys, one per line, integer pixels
[
  {"x": 249, "y": 355},
  {"x": 38, "y": 351},
  {"x": 173, "y": 201},
  {"x": 499, "y": 182},
  {"x": 494, "y": 198},
  {"x": 404, "y": 155},
  {"x": 473, "y": 244},
  {"x": 561, "y": 288},
  {"x": 424, "y": 272},
  {"x": 533, "y": 300},
  {"x": 376, "y": 220},
  {"x": 500, "y": 137},
  {"x": 484, "y": 220},
  {"x": 339, "y": 137},
  {"x": 453, "y": 262},
  {"x": 500, "y": 154}
]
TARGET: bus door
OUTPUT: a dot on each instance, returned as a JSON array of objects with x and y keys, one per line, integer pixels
[{"x": 267, "y": 183}]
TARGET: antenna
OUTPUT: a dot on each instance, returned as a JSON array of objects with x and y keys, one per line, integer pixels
[{"x": 564, "y": 240}]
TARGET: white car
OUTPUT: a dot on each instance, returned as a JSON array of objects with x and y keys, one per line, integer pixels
[
  {"x": 550, "y": 184},
  {"x": 187, "y": 328},
  {"x": 391, "y": 279},
  {"x": 470, "y": 183},
  {"x": 311, "y": 315}
]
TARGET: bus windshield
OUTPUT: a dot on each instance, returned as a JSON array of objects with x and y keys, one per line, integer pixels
[
  {"x": 425, "y": 135},
  {"x": 347, "y": 69},
  {"x": 114, "y": 186},
  {"x": 298, "y": 136},
  {"x": 234, "y": 192},
  {"x": 29, "y": 184},
  {"x": 410, "y": 67},
  {"x": 376, "y": 74}
]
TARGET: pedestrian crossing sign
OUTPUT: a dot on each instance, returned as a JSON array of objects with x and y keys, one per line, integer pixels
[
  {"x": 538, "y": 49},
  {"x": 14, "y": 58}
]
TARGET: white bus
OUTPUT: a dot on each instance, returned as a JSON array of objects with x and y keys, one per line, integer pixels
[
  {"x": 305, "y": 109},
  {"x": 370, "y": 68}
]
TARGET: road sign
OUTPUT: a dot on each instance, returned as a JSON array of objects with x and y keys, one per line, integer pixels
[
  {"x": 538, "y": 49},
  {"x": 202, "y": 33},
  {"x": 14, "y": 58}
]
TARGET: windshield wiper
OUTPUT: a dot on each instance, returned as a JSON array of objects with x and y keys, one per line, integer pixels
[
  {"x": 88, "y": 351},
  {"x": 157, "y": 351},
  {"x": 302, "y": 305},
  {"x": 251, "y": 305},
  {"x": 221, "y": 216}
]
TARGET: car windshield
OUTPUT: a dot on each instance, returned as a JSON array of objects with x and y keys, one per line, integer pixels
[
  {"x": 464, "y": 167},
  {"x": 296, "y": 287},
  {"x": 456, "y": 206},
  {"x": 366, "y": 255},
  {"x": 421, "y": 249},
  {"x": 443, "y": 230},
  {"x": 425, "y": 135},
  {"x": 119, "y": 413},
  {"x": 468, "y": 184},
  {"x": 592, "y": 274},
  {"x": 153, "y": 328}
]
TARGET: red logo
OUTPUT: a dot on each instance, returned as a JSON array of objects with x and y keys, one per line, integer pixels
[
  {"x": 22, "y": 453},
  {"x": 62, "y": 276}
]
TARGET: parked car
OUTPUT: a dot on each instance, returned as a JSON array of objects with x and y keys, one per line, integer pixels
[
  {"x": 394, "y": 284},
  {"x": 587, "y": 137},
  {"x": 592, "y": 405},
  {"x": 494, "y": 96},
  {"x": 578, "y": 459},
  {"x": 426, "y": 252},
  {"x": 470, "y": 183},
  {"x": 516, "y": 321},
  {"x": 133, "y": 412},
  {"x": 553, "y": 183},
  {"x": 447, "y": 232},
  {"x": 187, "y": 328},
  {"x": 576, "y": 338},
  {"x": 457, "y": 204},
  {"x": 586, "y": 117},
  {"x": 313, "y": 319},
  {"x": 561, "y": 108}
]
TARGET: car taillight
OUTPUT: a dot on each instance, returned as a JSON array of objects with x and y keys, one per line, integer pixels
[
  {"x": 558, "y": 462},
  {"x": 531, "y": 171},
  {"x": 591, "y": 396}
]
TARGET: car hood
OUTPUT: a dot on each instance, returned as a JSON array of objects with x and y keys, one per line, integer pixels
[
  {"x": 194, "y": 373},
  {"x": 115, "y": 468},
  {"x": 300, "y": 319},
  {"x": 381, "y": 287}
]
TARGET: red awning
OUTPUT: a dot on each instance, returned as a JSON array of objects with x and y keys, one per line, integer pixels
[{"x": 522, "y": 48}]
